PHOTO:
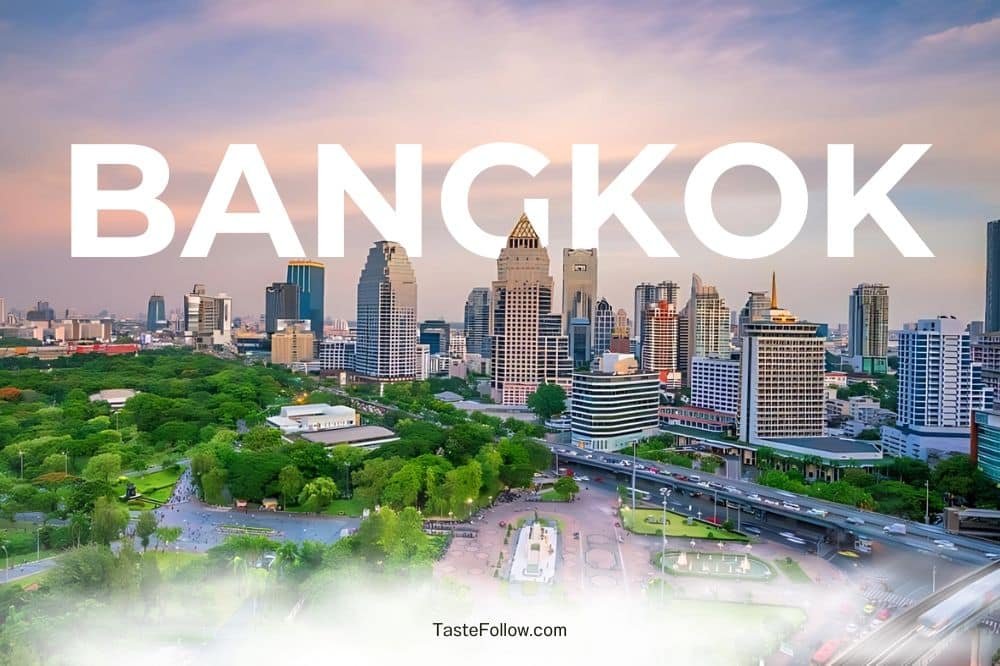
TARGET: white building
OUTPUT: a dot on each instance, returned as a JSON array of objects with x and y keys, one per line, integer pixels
[
  {"x": 295, "y": 419},
  {"x": 337, "y": 353},
  {"x": 615, "y": 405},
  {"x": 387, "y": 315},
  {"x": 782, "y": 377},
  {"x": 707, "y": 323},
  {"x": 715, "y": 384},
  {"x": 423, "y": 361},
  {"x": 939, "y": 388}
]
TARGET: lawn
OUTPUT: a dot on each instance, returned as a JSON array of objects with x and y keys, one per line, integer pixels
[
  {"x": 353, "y": 506},
  {"x": 792, "y": 570},
  {"x": 553, "y": 496},
  {"x": 650, "y": 522},
  {"x": 157, "y": 486}
]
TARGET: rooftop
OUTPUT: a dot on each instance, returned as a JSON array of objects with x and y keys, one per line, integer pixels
[
  {"x": 357, "y": 436},
  {"x": 828, "y": 444}
]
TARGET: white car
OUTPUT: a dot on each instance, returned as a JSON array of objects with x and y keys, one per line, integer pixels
[
  {"x": 788, "y": 535},
  {"x": 991, "y": 556},
  {"x": 573, "y": 453},
  {"x": 583, "y": 478},
  {"x": 947, "y": 545},
  {"x": 753, "y": 497}
]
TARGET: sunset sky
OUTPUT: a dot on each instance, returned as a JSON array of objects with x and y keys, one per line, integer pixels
[{"x": 189, "y": 78}]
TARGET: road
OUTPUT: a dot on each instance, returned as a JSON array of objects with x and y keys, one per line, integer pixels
[
  {"x": 865, "y": 523},
  {"x": 28, "y": 569}
]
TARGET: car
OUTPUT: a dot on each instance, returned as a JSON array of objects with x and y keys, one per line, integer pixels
[
  {"x": 750, "y": 529},
  {"x": 583, "y": 478},
  {"x": 695, "y": 478},
  {"x": 716, "y": 485},
  {"x": 589, "y": 456},
  {"x": 947, "y": 546},
  {"x": 653, "y": 470},
  {"x": 944, "y": 543},
  {"x": 573, "y": 453},
  {"x": 787, "y": 535},
  {"x": 855, "y": 521},
  {"x": 789, "y": 506},
  {"x": 753, "y": 497},
  {"x": 991, "y": 556},
  {"x": 869, "y": 609},
  {"x": 822, "y": 513},
  {"x": 851, "y": 628},
  {"x": 681, "y": 477},
  {"x": 796, "y": 540},
  {"x": 771, "y": 502},
  {"x": 883, "y": 614},
  {"x": 734, "y": 490}
]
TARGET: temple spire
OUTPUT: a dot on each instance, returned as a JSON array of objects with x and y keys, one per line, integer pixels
[{"x": 774, "y": 291}]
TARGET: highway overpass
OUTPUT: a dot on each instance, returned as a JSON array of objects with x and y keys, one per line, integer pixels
[{"x": 837, "y": 516}]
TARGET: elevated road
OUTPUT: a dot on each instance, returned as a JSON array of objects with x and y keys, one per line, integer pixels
[
  {"x": 813, "y": 511},
  {"x": 898, "y": 643}
]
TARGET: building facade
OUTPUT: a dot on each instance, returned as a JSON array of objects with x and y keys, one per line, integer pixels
[
  {"x": 208, "y": 320},
  {"x": 337, "y": 353},
  {"x": 529, "y": 346},
  {"x": 615, "y": 405},
  {"x": 579, "y": 290},
  {"x": 659, "y": 342},
  {"x": 992, "y": 323},
  {"x": 477, "y": 322},
  {"x": 436, "y": 334},
  {"x": 707, "y": 325},
  {"x": 781, "y": 378},
  {"x": 868, "y": 329},
  {"x": 755, "y": 309},
  {"x": 386, "y": 346},
  {"x": 310, "y": 277},
  {"x": 647, "y": 294},
  {"x": 715, "y": 384},
  {"x": 604, "y": 324},
  {"x": 281, "y": 302},
  {"x": 292, "y": 345},
  {"x": 156, "y": 314}
]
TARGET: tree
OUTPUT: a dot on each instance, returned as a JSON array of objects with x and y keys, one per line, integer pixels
[
  {"x": 404, "y": 486},
  {"x": 107, "y": 521},
  {"x": 547, "y": 401},
  {"x": 167, "y": 535},
  {"x": 104, "y": 467},
  {"x": 318, "y": 493},
  {"x": 290, "y": 482},
  {"x": 88, "y": 568},
  {"x": 261, "y": 437},
  {"x": 145, "y": 527},
  {"x": 566, "y": 486},
  {"x": 212, "y": 485}
]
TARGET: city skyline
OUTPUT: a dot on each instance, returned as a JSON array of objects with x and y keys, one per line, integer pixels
[{"x": 873, "y": 76}]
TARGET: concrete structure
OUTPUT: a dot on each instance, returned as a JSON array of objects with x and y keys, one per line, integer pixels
[
  {"x": 292, "y": 345},
  {"x": 457, "y": 347},
  {"x": 436, "y": 334},
  {"x": 535, "y": 554},
  {"x": 615, "y": 405},
  {"x": 281, "y": 302},
  {"x": 156, "y": 313},
  {"x": 939, "y": 388},
  {"x": 707, "y": 324},
  {"x": 116, "y": 398},
  {"x": 365, "y": 437},
  {"x": 986, "y": 352},
  {"x": 294, "y": 419},
  {"x": 992, "y": 322},
  {"x": 387, "y": 315},
  {"x": 781, "y": 376},
  {"x": 310, "y": 277},
  {"x": 208, "y": 320},
  {"x": 337, "y": 353},
  {"x": 647, "y": 294},
  {"x": 715, "y": 384},
  {"x": 423, "y": 356},
  {"x": 868, "y": 329},
  {"x": 528, "y": 343},
  {"x": 477, "y": 322},
  {"x": 659, "y": 342},
  {"x": 579, "y": 291}
]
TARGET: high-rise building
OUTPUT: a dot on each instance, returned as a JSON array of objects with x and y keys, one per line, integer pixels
[
  {"x": 939, "y": 388},
  {"x": 292, "y": 345},
  {"x": 156, "y": 314},
  {"x": 529, "y": 346},
  {"x": 755, "y": 309},
  {"x": 579, "y": 341},
  {"x": 42, "y": 312},
  {"x": 579, "y": 285},
  {"x": 310, "y": 276},
  {"x": 387, "y": 315},
  {"x": 621, "y": 333},
  {"x": 659, "y": 342},
  {"x": 436, "y": 334},
  {"x": 457, "y": 347},
  {"x": 337, "y": 353},
  {"x": 868, "y": 328},
  {"x": 3, "y": 311},
  {"x": 715, "y": 384},
  {"x": 281, "y": 301},
  {"x": 782, "y": 375},
  {"x": 707, "y": 324},
  {"x": 646, "y": 294},
  {"x": 993, "y": 276},
  {"x": 208, "y": 320},
  {"x": 615, "y": 405},
  {"x": 604, "y": 324},
  {"x": 477, "y": 321},
  {"x": 986, "y": 352}
]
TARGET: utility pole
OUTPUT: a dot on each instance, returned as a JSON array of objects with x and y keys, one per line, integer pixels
[
  {"x": 663, "y": 549},
  {"x": 927, "y": 502},
  {"x": 633, "y": 479}
]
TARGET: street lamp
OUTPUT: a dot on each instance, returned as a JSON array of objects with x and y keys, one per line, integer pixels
[
  {"x": 663, "y": 549},
  {"x": 21, "y": 454},
  {"x": 65, "y": 463},
  {"x": 634, "y": 444},
  {"x": 927, "y": 502},
  {"x": 7, "y": 566}
]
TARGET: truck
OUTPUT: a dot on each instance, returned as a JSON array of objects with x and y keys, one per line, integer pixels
[{"x": 895, "y": 528}]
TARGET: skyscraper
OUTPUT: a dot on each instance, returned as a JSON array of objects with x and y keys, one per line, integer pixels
[
  {"x": 755, "y": 309},
  {"x": 868, "y": 328},
  {"x": 208, "y": 320},
  {"x": 3, "y": 311},
  {"x": 387, "y": 315},
  {"x": 477, "y": 321},
  {"x": 621, "y": 333},
  {"x": 310, "y": 276},
  {"x": 781, "y": 372},
  {"x": 659, "y": 342},
  {"x": 604, "y": 324},
  {"x": 993, "y": 276},
  {"x": 707, "y": 323},
  {"x": 528, "y": 342},
  {"x": 156, "y": 314},
  {"x": 579, "y": 287},
  {"x": 939, "y": 388},
  {"x": 281, "y": 301},
  {"x": 436, "y": 334},
  {"x": 646, "y": 293}
]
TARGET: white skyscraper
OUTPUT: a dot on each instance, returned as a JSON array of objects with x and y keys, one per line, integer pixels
[
  {"x": 939, "y": 388},
  {"x": 707, "y": 323},
  {"x": 387, "y": 315}
]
